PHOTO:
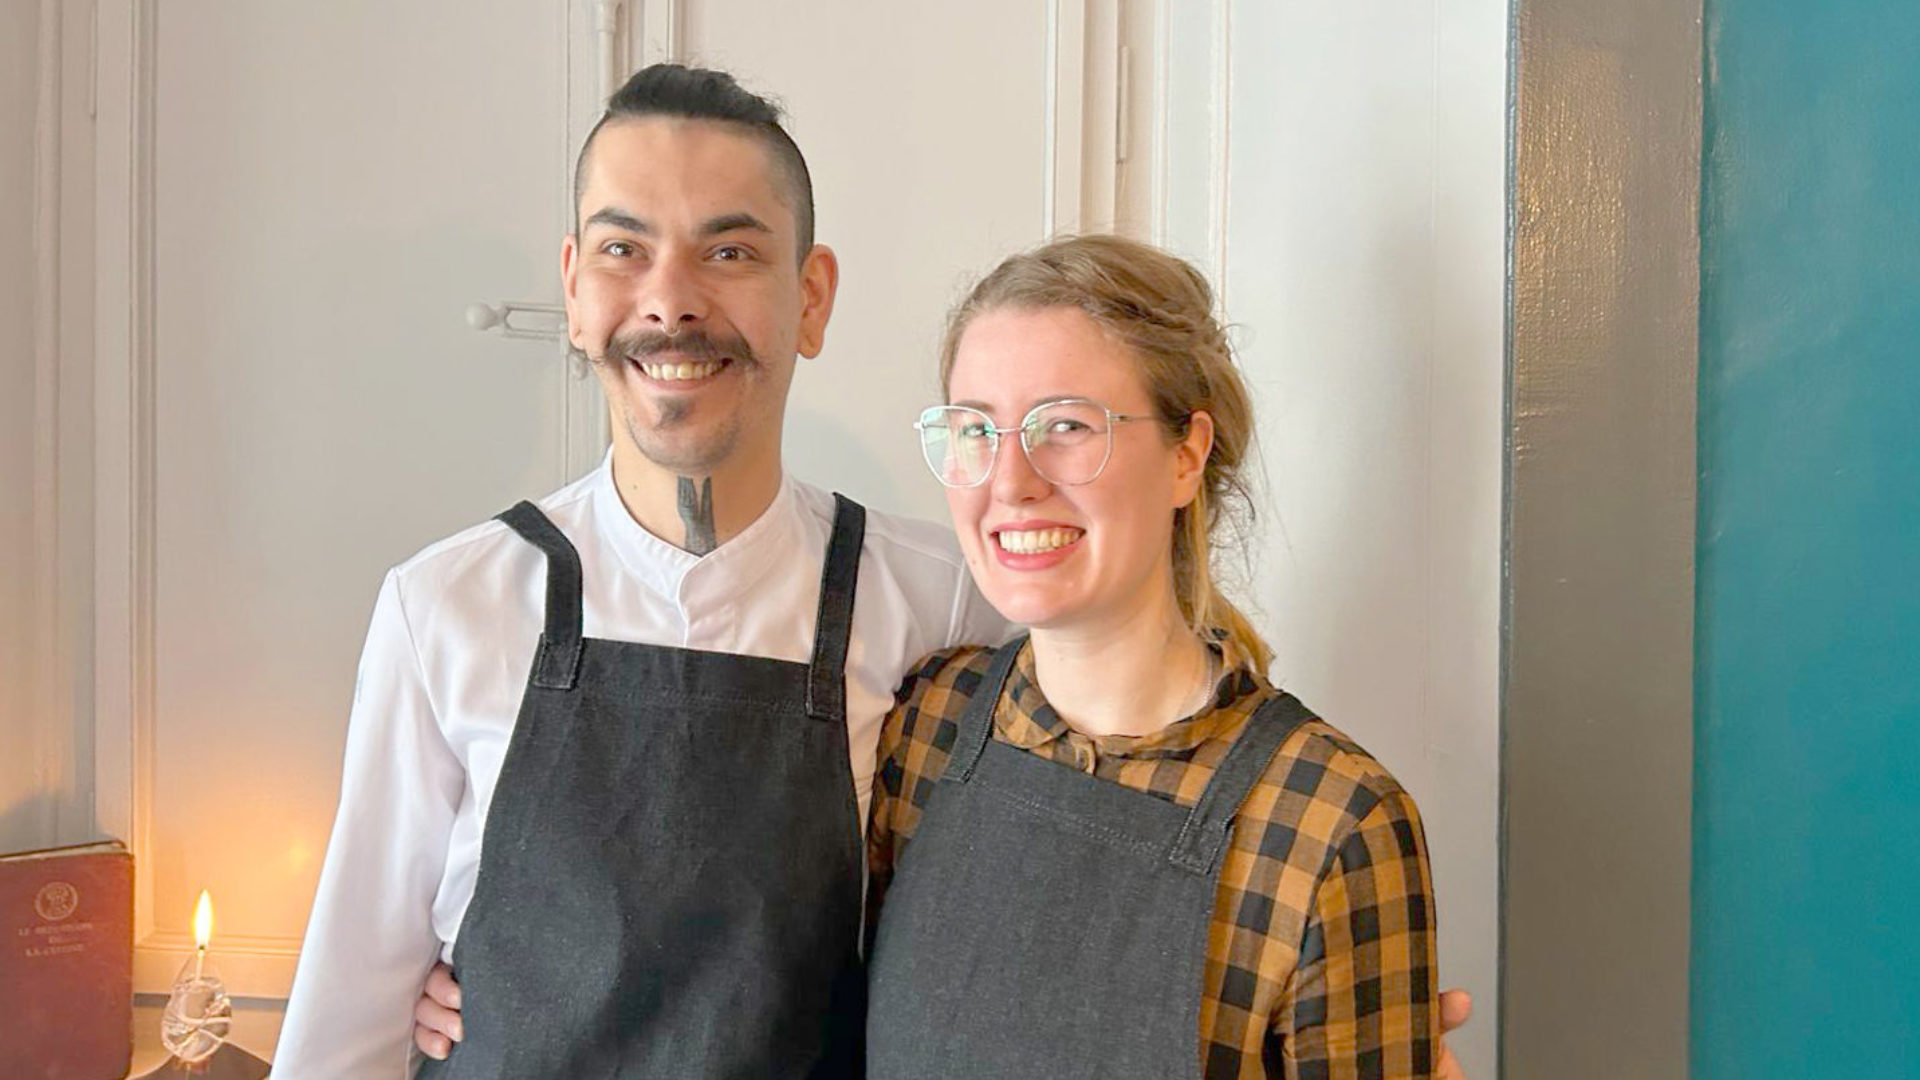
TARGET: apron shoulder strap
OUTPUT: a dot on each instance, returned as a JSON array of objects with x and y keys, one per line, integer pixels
[
  {"x": 1204, "y": 836},
  {"x": 833, "y": 623},
  {"x": 556, "y": 666},
  {"x": 976, "y": 723}
]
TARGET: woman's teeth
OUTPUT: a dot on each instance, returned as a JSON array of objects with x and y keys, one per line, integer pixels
[
  {"x": 1035, "y": 541},
  {"x": 681, "y": 372}
]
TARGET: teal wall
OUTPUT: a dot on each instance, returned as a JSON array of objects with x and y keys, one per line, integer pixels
[{"x": 1806, "y": 901}]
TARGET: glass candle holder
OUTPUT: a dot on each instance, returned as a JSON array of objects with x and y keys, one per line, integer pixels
[{"x": 199, "y": 1014}]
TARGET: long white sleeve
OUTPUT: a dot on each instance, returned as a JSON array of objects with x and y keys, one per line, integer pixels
[{"x": 371, "y": 939}]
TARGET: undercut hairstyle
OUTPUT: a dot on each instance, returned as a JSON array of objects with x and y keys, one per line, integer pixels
[{"x": 690, "y": 93}]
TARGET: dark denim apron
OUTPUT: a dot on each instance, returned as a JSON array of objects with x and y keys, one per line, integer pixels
[
  {"x": 1046, "y": 923},
  {"x": 670, "y": 878}
]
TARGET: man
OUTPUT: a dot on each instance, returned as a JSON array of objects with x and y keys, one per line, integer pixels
[
  {"x": 655, "y": 695},
  {"x": 662, "y": 686}
]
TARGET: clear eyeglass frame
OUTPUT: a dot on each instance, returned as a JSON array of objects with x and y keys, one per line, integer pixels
[{"x": 1036, "y": 437}]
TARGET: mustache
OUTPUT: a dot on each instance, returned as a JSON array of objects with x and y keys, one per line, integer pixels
[{"x": 692, "y": 343}]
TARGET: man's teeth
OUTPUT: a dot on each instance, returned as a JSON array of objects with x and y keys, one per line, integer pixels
[
  {"x": 1034, "y": 541},
  {"x": 680, "y": 372}
]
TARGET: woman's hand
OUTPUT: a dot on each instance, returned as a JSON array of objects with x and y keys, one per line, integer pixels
[{"x": 436, "y": 1016}]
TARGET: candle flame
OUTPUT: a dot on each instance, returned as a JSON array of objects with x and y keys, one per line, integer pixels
[{"x": 203, "y": 919}]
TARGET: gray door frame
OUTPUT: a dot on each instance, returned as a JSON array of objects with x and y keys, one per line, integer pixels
[{"x": 1597, "y": 679}]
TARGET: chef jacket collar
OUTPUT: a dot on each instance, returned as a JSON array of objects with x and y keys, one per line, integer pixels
[{"x": 736, "y": 566}]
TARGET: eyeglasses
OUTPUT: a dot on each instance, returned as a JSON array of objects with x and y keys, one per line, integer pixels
[{"x": 1068, "y": 442}]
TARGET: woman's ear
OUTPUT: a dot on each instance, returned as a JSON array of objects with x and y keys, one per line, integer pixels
[{"x": 1190, "y": 458}]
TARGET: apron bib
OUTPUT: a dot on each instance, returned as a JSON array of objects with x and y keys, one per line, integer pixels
[
  {"x": 670, "y": 877},
  {"x": 1044, "y": 922}
]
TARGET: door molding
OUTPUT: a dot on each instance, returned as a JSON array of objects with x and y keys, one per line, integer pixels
[
  {"x": 1088, "y": 106},
  {"x": 62, "y": 805},
  {"x": 1192, "y": 91},
  {"x": 124, "y": 421}
]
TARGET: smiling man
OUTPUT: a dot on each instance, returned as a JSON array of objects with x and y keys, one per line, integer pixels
[
  {"x": 610, "y": 754},
  {"x": 692, "y": 283}
]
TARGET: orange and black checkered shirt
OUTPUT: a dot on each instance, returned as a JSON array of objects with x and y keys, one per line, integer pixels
[{"x": 1320, "y": 964}]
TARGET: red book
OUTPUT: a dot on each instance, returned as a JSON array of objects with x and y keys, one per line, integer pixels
[{"x": 66, "y": 963}]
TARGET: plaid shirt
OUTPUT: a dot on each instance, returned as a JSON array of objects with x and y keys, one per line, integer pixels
[{"x": 1320, "y": 963}]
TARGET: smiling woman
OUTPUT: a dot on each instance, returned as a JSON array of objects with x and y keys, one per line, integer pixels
[
  {"x": 1114, "y": 848},
  {"x": 1081, "y": 299}
]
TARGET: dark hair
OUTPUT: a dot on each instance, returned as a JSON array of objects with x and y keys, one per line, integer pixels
[{"x": 675, "y": 90}]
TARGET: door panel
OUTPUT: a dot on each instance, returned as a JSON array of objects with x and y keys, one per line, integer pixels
[{"x": 332, "y": 185}]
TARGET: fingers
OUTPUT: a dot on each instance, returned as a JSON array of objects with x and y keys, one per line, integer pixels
[
  {"x": 432, "y": 1043},
  {"x": 436, "y": 1016},
  {"x": 1447, "y": 1068},
  {"x": 429, "y": 1013},
  {"x": 442, "y": 988}
]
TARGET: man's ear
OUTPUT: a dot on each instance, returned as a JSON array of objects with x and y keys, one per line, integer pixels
[
  {"x": 1191, "y": 453},
  {"x": 569, "y": 286},
  {"x": 819, "y": 281}
]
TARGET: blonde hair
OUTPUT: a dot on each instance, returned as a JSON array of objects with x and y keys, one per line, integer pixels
[{"x": 1162, "y": 309}]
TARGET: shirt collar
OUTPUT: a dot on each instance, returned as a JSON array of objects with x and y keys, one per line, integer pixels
[
  {"x": 1026, "y": 720},
  {"x": 668, "y": 570}
]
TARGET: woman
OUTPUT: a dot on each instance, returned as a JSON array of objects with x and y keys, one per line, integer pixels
[{"x": 1114, "y": 849}]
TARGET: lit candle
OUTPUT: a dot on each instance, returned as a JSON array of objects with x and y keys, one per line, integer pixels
[{"x": 198, "y": 1014}]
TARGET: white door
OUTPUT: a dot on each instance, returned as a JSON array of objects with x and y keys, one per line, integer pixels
[{"x": 292, "y": 400}]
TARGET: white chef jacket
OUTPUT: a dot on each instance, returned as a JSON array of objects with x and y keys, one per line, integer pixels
[{"x": 441, "y": 679}]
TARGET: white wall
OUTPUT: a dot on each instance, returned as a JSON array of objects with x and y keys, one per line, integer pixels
[
  {"x": 26, "y": 818},
  {"x": 1340, "y": 169}
]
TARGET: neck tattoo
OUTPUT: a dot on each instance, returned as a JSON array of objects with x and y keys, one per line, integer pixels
[{"x": 696, "y": 511}]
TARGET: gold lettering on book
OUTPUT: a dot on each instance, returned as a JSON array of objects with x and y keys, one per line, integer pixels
[
  {"x": 55, "y": 939},
  {"x": 69, "y": 930}
]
